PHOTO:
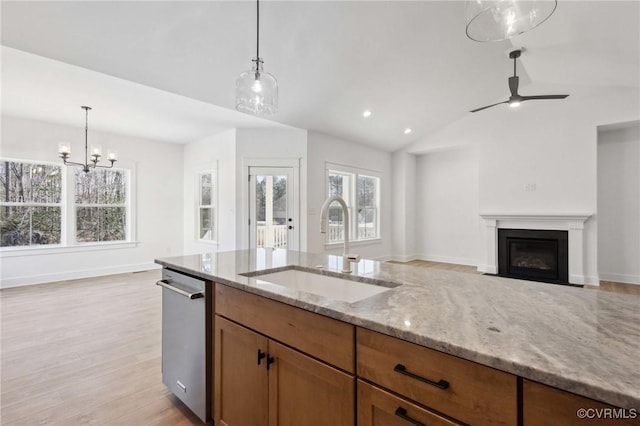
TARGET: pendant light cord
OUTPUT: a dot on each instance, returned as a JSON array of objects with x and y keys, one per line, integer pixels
[
  {"x": 258, "y": 30},
  {"x": 514, "y": 66}
]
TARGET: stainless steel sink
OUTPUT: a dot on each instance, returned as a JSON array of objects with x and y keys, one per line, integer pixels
[{"x": 329, "y": 286}]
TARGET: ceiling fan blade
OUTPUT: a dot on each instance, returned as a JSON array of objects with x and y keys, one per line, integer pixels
[
  {"x": 489, "y": 106},
  {"x": 529, "y": 98},
  {"x": 513, "y": 85}
]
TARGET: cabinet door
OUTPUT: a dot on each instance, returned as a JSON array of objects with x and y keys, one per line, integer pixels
[
  {"x": 303, "y": 391},
  {"x": 241, "y": 385},
  {"x": 379, "y": 408},
  {"x": 543, "y": 405}
]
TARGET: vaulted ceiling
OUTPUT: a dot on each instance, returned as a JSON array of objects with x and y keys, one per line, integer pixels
[{"x": 410, "y": 63}]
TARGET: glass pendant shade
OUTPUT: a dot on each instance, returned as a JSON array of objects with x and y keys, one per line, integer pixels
[
  {"x": 495, "y": 20},
  {"x": 257, "y": 91}
]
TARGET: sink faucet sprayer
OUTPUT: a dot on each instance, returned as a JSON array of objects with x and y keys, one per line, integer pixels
[{"x": 346, "y": 257}]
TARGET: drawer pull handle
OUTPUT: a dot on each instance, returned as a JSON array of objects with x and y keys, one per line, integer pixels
[
  {"x": 402, "y": 413},
  {"x": 442, "y": 384}
]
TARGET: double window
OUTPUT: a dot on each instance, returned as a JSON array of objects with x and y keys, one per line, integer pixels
[
  {"x": 360, "y": 190},
  {"x": 44, "y": 204}
]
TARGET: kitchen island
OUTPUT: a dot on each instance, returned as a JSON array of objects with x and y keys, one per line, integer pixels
[{"x": 577, "y": 340}]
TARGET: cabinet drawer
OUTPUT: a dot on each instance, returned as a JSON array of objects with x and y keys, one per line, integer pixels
[
  {"x": 544, "y": 405},
  {"x": 461, "y": 389},
  {"x": 319, "y": 336},
  {"x": 379, "y": 408}
]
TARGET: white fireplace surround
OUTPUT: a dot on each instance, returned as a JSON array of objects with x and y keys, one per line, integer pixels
[{"x": 572, "y": 222}]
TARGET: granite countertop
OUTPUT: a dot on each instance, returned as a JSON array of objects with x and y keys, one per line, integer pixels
[{"x": 581, "y": 340}]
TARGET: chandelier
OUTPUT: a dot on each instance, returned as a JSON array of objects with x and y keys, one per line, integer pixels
[
  {"x": 257, "y": 90},
  {"x": 64, "y": 151}
]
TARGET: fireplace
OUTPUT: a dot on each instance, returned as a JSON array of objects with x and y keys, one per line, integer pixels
[{"x": 537, "y": 255}]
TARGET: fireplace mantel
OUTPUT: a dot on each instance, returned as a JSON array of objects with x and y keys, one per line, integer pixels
[{"x": 572, "y": 222}]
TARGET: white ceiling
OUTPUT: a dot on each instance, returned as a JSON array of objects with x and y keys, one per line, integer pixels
[{"x": 408, "y": 62}]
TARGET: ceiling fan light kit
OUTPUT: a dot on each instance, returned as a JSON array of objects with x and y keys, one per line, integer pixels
[
  {"x": 257, "y": 90},
  {"x": 496, "y": 20},
  {"x": 515, "y": 99}
]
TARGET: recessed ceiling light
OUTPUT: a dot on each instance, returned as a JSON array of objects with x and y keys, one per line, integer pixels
[
  {"x": 407, "y": 131},
  {"x": 366, "y": 113}
]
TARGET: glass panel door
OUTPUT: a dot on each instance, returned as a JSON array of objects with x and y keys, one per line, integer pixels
[{"x": 270, "y": 208}]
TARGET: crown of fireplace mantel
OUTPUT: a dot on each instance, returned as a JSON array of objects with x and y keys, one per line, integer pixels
[{"x": 572, "y": 222}]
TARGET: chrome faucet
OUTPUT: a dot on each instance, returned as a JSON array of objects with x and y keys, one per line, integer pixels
[{"x": 346, "y": 257}]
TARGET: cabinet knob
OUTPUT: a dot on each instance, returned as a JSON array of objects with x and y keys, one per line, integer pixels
[
  {"x": 270, "y": 360},
  {"x": 261, "y": 356}
]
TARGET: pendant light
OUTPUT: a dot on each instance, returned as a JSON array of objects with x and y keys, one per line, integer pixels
[
  {"x": 64, "y": 150},
  {"x": 257, "y": 90},
  {"x": 495, "y": 20}
]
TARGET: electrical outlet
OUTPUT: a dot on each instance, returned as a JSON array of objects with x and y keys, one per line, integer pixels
[{"x": 530, "y": 187}]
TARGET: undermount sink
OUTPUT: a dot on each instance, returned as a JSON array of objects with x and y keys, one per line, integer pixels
[{"x": 328, "y": 286}]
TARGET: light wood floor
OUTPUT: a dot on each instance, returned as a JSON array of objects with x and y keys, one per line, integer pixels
[
  {"x": 85, "y": 352},
  {"x": 88, "y": 352}
]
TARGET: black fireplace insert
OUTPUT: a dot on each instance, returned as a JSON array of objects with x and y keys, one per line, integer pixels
[{"x": 531, "y": 254}]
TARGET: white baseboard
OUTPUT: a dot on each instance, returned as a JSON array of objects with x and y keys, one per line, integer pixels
[
  {"x": 403, "y": 258},
  {"x": 447, "y": 259},
  {"x": 620, "y": 278},
  {"x": 74, "y": 275}
]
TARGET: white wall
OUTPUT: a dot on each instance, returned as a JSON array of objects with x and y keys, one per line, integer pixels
[
  {"x": 551, "y": 144},
  {"x": 263, "y": 147},
  {"x": 448, "y": 221},
  {"x": 619, "y": 204},
  {"x": 159, "y": 217},
  {"x": 216, "y": 151},
  {"x": 403, "y": 214},
  {"x": 322, "y": 149}
]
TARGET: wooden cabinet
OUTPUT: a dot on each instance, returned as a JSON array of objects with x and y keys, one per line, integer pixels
[
  {"x": 464, "y": 390},
  {"x": 545, "y": 405},
  {"x": 303, "y": 391},
  {"x": 377, "y": 407},
  {"x": 240, "y": 396},
  {"x": 260, "y": 381},
  {"x": 317, "y": 335}
]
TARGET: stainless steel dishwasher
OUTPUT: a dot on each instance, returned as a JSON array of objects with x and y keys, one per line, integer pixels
[{"x": 184, "y": 339}]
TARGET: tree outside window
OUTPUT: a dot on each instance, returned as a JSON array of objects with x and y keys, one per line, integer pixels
[
  {"x": 361, "y": 194},
  {"x": 207, "y": 196},
  {"x": 101, "y": 205},
  {"x": 30, "y": 203}
]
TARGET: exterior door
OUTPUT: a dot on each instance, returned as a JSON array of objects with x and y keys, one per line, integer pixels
[{"x": 271, "y": 208}]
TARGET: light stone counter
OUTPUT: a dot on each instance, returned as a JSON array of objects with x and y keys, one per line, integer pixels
[{"x": 580, "y": 340}]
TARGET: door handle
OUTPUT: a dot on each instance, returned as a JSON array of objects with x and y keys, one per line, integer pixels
[
  {"x": 165, "y": 284},
  {"x": 290, "y": 226}
]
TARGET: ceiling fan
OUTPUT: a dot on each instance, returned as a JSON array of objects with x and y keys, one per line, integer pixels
[{"x": 515, "y": 98}]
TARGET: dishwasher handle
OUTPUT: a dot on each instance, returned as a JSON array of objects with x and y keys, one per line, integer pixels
[{"x": 165, "y": 284}]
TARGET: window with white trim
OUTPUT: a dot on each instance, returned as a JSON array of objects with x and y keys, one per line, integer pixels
[
  {"x": 101, "y": 205},
  {"x": 206, "y": 209},
  {"x": 49, "y": 205},
  {"x": 30, "y": 203},
  {"x": 360, "y": 190}
]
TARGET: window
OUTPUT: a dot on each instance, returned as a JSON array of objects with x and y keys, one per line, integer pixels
[
  {"x": 360, "y": 189},
  {"x": 30, "y": 203},
  {"x": 101, "y": 205},
  {"x": 206, "y": 220},
  {"x": 44, "y": 204}
]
